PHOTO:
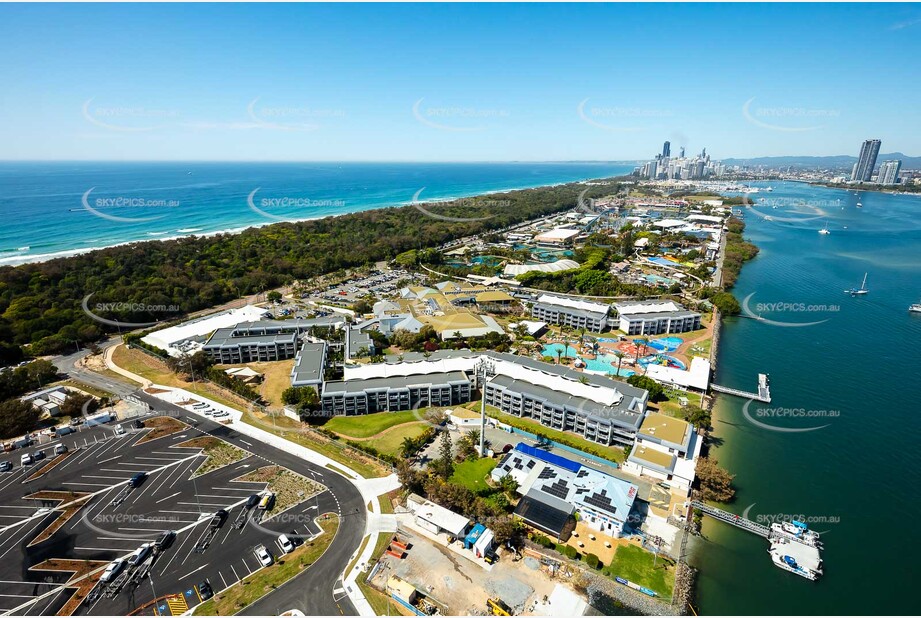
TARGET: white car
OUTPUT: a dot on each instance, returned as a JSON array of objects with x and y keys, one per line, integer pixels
[
  {"x": 115, "y": 567},
  {"x": 220, "y": 414},
  {"x": 262, "y": 555},
  {"x": 285, "y": 543}
]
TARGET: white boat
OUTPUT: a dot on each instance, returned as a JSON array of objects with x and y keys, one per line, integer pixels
[
  {"x": 824, "y": 230},
  {"x": 861, "y": 290},
  {"x": 796, "y": 531},
  {"x": 859, "y": 205},
  {"x": 914, "y": 308},
  {"x": 797, "y": 558}
]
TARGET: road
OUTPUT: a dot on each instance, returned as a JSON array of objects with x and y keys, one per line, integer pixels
[{"x": 68, "y": 364}]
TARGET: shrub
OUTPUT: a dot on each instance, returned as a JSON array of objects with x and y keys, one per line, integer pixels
[{"x": 592, "y": 560}]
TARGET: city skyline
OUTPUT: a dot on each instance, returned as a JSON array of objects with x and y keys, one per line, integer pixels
[{"x": 447, "y": 83}]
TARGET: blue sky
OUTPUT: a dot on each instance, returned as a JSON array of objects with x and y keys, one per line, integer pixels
[{"x": 455, "y": 82}]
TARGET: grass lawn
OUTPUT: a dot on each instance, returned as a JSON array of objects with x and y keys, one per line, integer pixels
[
  {"x": 368, "y": 425},
  {"x": 262, "y": 582},
  {"x": 472, "y": 473},
  {"x": 570, "y": 439},
  {"x": 86, "y": 388},
  {"x": 292, "y": 430},
  {"x": 391, "y": 441},
  {"x": 276, "y": 378},
  {"x": 636, "y": 564}
]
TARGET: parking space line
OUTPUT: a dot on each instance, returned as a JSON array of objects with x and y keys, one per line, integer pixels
[
  {"x": 222, "y": 578},
  {"x": 180, "y": 476},
  {"x": 193, "y": 572},
  {"x": 234, "y": 573},
  {"x": 166, "y": 477},
  {"x": 201, "y": 503},
  {"x": 87, "y": 484},
  {"x": 100, "y": 476},
  {"x": 86, "y": 451},
  {"x": 108, "y": 460},
  {"x": 168, "y": 497},
  {"x": 12, "y": 478}
]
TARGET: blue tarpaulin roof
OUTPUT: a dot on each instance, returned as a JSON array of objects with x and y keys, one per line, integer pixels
[
  {"x": 556, "y": 460},
  {"x": 474, "y": 534}
]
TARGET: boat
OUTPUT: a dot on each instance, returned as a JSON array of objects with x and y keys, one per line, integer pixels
[
  {"x": 859, "y": 205},
  {"x": 914, "y": 308},
  {"x": 796, "y": 531},
  {"x": 824, "y": 230},
  {"x": 861, "y": 290},
  {"x": 769, "y": 189},
  {"x": 797, "y": 558}
]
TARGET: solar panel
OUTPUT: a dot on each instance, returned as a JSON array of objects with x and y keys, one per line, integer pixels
[
  {"x": 558, "y": 489},
  {"x": 547, "y": 473},
  {"x": 602, "y": 502},
  {"x": 531, "y": 464}
]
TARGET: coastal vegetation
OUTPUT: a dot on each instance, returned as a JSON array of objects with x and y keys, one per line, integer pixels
[
  {"x": 715, "y": 482},
  {"x": 41, "y": 304},
  {"x": 738, "y": 251}
]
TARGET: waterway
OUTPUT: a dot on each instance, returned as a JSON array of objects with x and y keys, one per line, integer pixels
[{"x": 838, "y": 443}]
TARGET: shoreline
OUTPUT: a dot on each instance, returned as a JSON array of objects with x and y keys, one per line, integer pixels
[{"x": 13, "y": 260}]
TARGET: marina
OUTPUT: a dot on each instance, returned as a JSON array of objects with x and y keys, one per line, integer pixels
[{"x": 794, "y": 547}]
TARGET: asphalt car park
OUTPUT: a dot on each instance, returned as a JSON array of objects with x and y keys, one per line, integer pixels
[{"x": 120, "y": 518}]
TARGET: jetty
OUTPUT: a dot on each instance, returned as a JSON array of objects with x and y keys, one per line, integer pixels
[
  {"x": 794, "y": 548},
  {"x": 763, "y": 394}
]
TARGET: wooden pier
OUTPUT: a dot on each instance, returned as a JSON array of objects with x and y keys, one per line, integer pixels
[
  {"x": 732, "y": 519},
  {"x": 763, "y": 394}
]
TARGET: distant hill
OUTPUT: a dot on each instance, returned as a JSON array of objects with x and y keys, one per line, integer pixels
[{"x": 845, "y": 162}]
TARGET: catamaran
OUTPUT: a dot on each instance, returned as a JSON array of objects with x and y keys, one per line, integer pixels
[
  {"x": 859, "y": 291},
  {"x": 796, "y": 531},
  {"x": 797, "y": 558},
  {"x": 824, "y": 230}
]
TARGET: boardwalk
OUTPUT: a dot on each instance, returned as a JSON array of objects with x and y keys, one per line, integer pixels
[
  {"x": 731, "y": 518},
  {"x": 763, "y": 394}
]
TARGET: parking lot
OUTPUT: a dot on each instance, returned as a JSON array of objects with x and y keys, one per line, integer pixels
[{"x": 112, "y": 519}]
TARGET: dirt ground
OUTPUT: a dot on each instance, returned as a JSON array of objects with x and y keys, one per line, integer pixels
[{"x": 463, "y": 586}]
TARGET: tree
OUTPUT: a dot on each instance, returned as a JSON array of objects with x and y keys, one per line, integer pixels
[
  {"x": 16, "y": 418},
  {"x": 411, "y": 479},
  {"x": 698, "y": 417},
  {"x": 620, "y": 359},
  {"x": 273, "y": 296},
  {"x": 303, "y": 398},
  {"x": 508, "y": 484},
  {"x": 444, "y": 465},
  {"x": 504, "y": 529},
  {"x": 726, "y": 303},
  {"x": 715, "y": 482},
  {"x": 655, "y": 389},
  {"x": 75, "y": 404}
]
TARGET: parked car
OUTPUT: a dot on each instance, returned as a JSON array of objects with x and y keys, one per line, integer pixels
[
  {"x": 115, "y": 567},
  {"x": 60, "y": 449},
  {"x": 138, "y": 424},
  {"x": 268, "y": 501},
  {"x": 217, "y": 520},
  {"x": 165, "y": 539},
  {"x": 119, "y": 430},
  {"x": 63, "y": 431},
  {"x": 205, "y": 591},
  {"x": 285, "y": 543},
  {"x": 78, "y": 420},
  {"x": 252, "y": 501},
  {"x": 262, "y": 555},
  {"x": 6, "y": 466},
  {"x": 137, "y": 479},
  {"x": 26, "y": 460},
  {"x": 140, "y": 554}
]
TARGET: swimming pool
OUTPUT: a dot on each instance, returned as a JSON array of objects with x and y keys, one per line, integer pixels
[
  {"x": 664, "y": 344},
  {"x": 607, "y": 364},
  {"x": 662, "y": 359},
  {"x": 550, "y": 349}
]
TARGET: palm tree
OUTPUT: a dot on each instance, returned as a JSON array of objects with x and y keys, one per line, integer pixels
[
  {"x": 559, "y": 355},
  {"x": 407, "y": 447},
  {"x": 620, "y": 359}
]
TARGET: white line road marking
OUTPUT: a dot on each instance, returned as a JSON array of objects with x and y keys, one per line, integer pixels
[
  {"x": 193, "y": 572},
  {"x": 234, "y": 573},
  {"x": 102, "y": 476},
  {"x": 222, "y": 578},
  {"x": 246, "y": 443},
  {"x": 88, "y": 484},
  {"x": 108, "y": 460},
  {"x": 167, "y": 498}
]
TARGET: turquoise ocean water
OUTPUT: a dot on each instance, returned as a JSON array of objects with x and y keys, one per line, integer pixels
[{"x": 43, "y": 212}]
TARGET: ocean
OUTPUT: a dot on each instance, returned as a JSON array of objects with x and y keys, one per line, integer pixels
[
  {"x": 848, "y": 383},
  {"x": 58, "y": 209}
]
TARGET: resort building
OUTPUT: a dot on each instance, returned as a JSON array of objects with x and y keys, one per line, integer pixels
[
  {"x": 655, "y": 317},
  {"x": 443, "y": 310},
  {"x": 392, "y": 394},
  {"x": 232, "y": 345},
  {"x": 556, "y": 491},
  {"x": 666, "y": 449},
  {"x": 598, "y": 408},
  {"x": 696, "y": 378},
  {"x": 558, "y": 237},
  {"x": 310, "y": 366},
  {"x": 513, "y": 270},
  {"x": 571, "y": 312},
  {"x": 358, "y": 342}
]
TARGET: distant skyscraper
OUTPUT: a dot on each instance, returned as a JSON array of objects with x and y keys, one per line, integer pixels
[
  {"x": 867, "y": 161},
  {"x": 682, "y": 152},
  {"x": 667, "y": 150},
  {"x": 889, "y": 172}
]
